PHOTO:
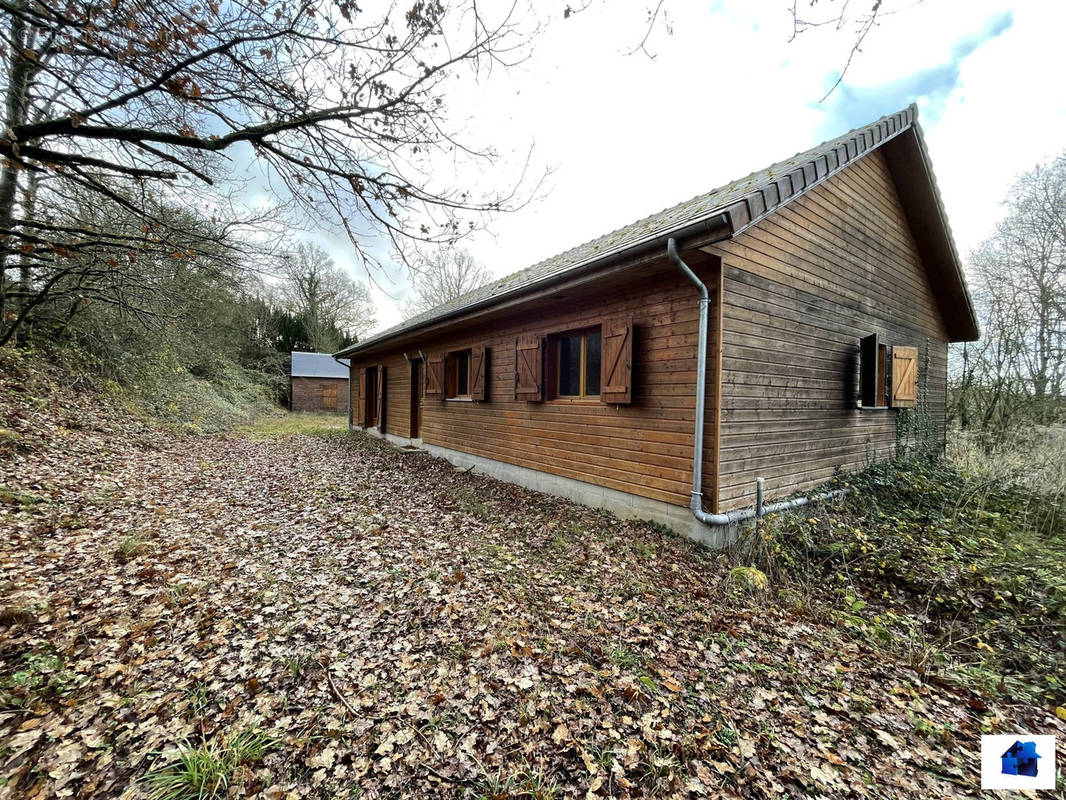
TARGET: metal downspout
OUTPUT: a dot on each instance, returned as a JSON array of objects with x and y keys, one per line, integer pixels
[{"x": 696, "y": 501}]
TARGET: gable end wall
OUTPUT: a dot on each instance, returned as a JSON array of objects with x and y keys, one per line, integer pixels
[{"x": 801, "y": 288}]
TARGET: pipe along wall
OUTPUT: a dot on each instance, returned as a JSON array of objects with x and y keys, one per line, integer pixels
[{"x": 696, "y": 501}]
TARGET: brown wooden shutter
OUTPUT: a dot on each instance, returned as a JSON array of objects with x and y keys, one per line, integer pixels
[
  {"x": 381, "y": 398},
  {"x": 360, "y": 413},
  {"x": 616, "y": 362},
  {"x": 478, "y": 372},
  {"x": 904, "y": 377},
  {"x": 435, "y": 376},
  {"x": 529, "y": 369}
]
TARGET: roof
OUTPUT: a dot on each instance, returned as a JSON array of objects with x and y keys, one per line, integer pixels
[
  {"x": 743, "y": 203},
  {"x": 317, "y": 365}
]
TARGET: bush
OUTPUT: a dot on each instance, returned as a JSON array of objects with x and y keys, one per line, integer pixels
[
  {"x": 156, "y": 386},
  {"x": 230, "y": 397},
  {"x": 748, "y": 579}
]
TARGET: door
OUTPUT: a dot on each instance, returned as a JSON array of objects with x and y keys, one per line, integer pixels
[
  {"x": 329, "y": 397},
  {"x": 418, "y": 391},
  {"x": 371, "y": 398}
]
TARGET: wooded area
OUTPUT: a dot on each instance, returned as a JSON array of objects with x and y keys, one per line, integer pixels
[
  {"x": 131, "y": 234},
  {"x": 1015, "y": 376}
]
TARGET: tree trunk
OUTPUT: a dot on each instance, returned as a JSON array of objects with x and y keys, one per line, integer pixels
[{"x": 19, "y": 71}]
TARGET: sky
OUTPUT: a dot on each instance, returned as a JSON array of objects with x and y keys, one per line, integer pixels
[{"x": 726, "y": 93}]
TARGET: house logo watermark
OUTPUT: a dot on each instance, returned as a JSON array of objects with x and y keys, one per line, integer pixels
[{"x": 1018, "y": 761}]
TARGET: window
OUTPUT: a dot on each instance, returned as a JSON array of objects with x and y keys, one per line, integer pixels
[
  {"x": 888, "y": 376},
  {"x": 459, "y": 375},
  {"x": 590, "y": 364},
  {"x": 577, "y": 360},
  {"x": 458, "y": 383},
  {"x": 873, "y": 383}
]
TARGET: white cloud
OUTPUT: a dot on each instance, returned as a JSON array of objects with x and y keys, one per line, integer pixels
[
  {"x": 727, "y": 94},
  {"x": 1006, "y": 113}
]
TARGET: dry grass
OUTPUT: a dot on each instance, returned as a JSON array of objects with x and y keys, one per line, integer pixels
[
  {"x": 1033, "y": 459},
  {"x": 287, "y": 423}
]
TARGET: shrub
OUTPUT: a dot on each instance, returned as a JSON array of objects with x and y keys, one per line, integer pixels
[{"x": 748, "y": 579}]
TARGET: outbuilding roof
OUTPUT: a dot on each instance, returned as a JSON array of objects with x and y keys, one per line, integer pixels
[
  {"x": 317, "y": 365},
  {"x": 746, "y": 201}
]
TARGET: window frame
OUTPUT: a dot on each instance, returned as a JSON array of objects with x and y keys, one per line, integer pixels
[
  {"x": 451, "y": 375},
  {"x": 556, "y": 355}
]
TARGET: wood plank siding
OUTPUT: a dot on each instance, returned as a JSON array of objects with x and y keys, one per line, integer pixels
[
  {"x": 643, "y": 447},
  {"x": 801, "y": 288}
]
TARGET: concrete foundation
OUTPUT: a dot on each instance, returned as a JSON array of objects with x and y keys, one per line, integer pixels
[{"x": 628, "y": 506}]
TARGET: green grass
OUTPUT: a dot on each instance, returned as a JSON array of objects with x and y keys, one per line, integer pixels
[
  {"x": 207, "y": 770},
  {"x": 16, "y": 497},
  {"x": 131, "y": 547},
  {"x": 622, "y": 658},
  {"x": 288, "y": 423},
  {"x": 467, "y": 501},
  {"x": 527, "y": 782}
]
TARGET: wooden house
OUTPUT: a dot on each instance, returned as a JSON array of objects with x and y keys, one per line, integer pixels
[
  {"x": 827, "y": 287},
  {"x": 318, "y": 382}
]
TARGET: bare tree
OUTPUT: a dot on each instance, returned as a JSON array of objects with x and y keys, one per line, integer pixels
[
  {"x": 442, "y": 276},
  {"x": 328, "y": 301},
  {"x": 126, "y": 271},
  {"x": 861, "y": 18},
  {"x": 134, "y": 102},
  {"x": 1017, "y": 372},
  {"x": 839, "y": 14}
]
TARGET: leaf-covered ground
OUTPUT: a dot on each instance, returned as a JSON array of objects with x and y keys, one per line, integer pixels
[{"x": 386, "y": 626}]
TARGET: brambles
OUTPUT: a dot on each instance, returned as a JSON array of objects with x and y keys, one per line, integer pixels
[
  {"x": 960, "y": 574},
  {"x": 39, "y": 676}
]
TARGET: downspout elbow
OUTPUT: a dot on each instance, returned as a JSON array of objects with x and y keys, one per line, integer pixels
[
  {"x": 671, "y": 252},
  {"x": 707, "y": 518}
]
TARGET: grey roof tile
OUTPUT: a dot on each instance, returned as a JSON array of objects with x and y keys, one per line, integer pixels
[{"x": 317, "y": 365}]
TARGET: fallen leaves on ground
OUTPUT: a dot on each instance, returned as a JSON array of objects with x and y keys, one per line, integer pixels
[{"x": 395, "y": 628}]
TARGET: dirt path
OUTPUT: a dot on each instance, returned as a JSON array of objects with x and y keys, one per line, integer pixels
[{"x": 396, "y": 628}]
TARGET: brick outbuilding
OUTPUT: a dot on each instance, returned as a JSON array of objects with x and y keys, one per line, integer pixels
[{"x": 318, "y": 383}]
